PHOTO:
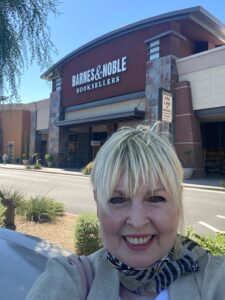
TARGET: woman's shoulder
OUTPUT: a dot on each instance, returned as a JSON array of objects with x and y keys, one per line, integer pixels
[
  {"x": 212, "y": 264},
  {"x": 211, "y": 276},
  {"x": 60, "y": 279},
  {"x": 207, "y": 283}
]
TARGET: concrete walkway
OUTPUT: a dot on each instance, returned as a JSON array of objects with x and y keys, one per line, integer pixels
[{"x": 209, "y": 183}]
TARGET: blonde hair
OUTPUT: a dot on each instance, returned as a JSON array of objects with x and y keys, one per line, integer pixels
[{"x": 141, "y": 155}]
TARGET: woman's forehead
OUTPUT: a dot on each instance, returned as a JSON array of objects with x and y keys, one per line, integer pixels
[{"x": 145, "y": 185}]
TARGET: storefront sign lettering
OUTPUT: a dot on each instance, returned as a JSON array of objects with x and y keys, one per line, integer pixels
[{"x": 97, "y": 77}]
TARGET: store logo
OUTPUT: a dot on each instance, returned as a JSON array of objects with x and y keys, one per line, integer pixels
[{"x": 103, "y": 75}]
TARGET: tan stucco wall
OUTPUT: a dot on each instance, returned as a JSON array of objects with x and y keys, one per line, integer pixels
[
  {"x": 15, "y": 124},
  {"x": 42, "y": 108},
  {"x": 206, "y": 73}
]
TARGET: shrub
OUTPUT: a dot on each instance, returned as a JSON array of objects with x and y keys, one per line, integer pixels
[
  {"x": 49, "y": 157},
  {"x": 37, "y": 166},
  {"x": 10, "y": 193},
  {"x": 9, "y": 199},
  {"x": 2, "y": 211},
  {"x": 216, "y": 244},
  {"x": 87, "y": 238},
  {"x": 40, "y": 209},
  {"x": 87, "y": 169},
  {"x": 222, "y": 183}
]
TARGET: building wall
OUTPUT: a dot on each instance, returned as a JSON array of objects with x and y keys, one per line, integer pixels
[
  {"x": 187, "y": 132},
  {"x": 133, "y": 46},
  {"x": 206, "y": 73},
  {"x": 39, "y": 126},
  {"x": 15, "y": 124},
  {"x": 43, "y": 114},
  {"x": 41, "y": 110}
]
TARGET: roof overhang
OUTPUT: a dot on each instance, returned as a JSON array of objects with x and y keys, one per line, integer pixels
[
  {"x": 198, "y": 15},
  {"x": 215, "y": 114}
]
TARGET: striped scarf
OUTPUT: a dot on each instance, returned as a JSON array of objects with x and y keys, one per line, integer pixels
[{"x": 163, "y": 272}]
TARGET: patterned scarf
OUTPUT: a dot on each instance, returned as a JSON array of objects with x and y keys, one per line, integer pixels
[{"x": 163, "y": 272}]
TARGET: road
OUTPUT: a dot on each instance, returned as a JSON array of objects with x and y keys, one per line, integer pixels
[
  {"x": 204, "y": 210},
  {"x": 74, "y": 191}
]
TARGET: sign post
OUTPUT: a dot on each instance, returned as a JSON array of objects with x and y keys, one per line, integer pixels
[{"x": 166, "y": 107}]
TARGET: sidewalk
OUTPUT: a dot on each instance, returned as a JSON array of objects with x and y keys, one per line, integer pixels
[
  {"x": 209, "y": 183},
  {"x": 43, "y": 169}
]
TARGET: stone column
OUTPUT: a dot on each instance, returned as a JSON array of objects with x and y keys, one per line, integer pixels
[
  {"x": 56, "y": 138},
  {"x": 160, "y": 73},
  {"x": 34, "y": 136}
]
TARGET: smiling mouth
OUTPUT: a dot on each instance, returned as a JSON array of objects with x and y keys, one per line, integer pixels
[{"x": 139, "y": 240}]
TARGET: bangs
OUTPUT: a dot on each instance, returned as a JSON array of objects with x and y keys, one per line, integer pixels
[{"x": 136, "y": 168}]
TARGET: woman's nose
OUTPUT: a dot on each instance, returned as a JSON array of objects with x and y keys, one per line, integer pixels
[{"x": 138, "y": 216}]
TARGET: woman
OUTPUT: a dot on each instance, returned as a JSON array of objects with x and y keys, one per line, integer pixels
[{"x": 137, "y": 188}]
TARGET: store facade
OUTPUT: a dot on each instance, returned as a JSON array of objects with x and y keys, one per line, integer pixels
[{"x": 126, "y": 77}]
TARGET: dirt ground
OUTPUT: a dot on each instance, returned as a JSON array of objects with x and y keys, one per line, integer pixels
[{"x": 61, "y": 232}]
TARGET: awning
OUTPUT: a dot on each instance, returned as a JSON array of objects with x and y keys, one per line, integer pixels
[{"x": 129, "y": 115}]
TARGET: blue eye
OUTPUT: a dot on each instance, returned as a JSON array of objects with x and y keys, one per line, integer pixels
[
  {"x": 117, "y": 200},
  {"x": 157, "y": 199}
]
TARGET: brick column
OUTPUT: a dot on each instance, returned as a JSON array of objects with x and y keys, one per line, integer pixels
[{"x": 187, "y": 133}]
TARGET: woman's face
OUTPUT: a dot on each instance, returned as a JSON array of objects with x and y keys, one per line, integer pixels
[{"x": 139, "y": 230}]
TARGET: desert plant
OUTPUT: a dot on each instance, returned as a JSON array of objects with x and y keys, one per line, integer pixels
[
  {"x": 37, "y": 166},
  {"x": 40, "y": 209},
  {"x": 87, "y": 169},
  {"x": 87, "y": 238},
  {"x": 49, "y": 157},
  {"x": 2, "y": 211},
  {"x": 9, "y": 199},
  {"x": 216, "y": 244}
]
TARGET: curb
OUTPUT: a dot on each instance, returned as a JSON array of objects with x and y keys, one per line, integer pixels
[
  {"x": 203, "y": 187},
  {"x": 47, "y": 171},
  {"x": 68, "y": 214}
]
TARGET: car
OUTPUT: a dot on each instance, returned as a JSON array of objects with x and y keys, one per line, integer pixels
[{"x": 23, "y": 259}]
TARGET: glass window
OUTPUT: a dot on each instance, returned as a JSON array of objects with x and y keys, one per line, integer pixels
[
  {"x": 10, "y": 150},
  {"x": 154, "y": 50}
]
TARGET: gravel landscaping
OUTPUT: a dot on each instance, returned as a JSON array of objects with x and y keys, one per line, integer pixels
[{"x": 60, "y": 232}]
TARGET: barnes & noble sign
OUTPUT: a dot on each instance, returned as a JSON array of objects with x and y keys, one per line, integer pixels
[{"x": 100, "y": 76}]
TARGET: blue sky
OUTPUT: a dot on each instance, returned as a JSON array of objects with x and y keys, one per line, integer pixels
[{"x": 83, "y": 20}]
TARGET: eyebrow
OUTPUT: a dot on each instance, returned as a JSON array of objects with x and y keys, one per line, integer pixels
[
  {"x": 121, "y": 193},
  {"x": 159, "y": 190}
]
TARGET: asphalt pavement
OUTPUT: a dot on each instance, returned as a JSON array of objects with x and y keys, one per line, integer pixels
[{"x": 209, "y": 183}]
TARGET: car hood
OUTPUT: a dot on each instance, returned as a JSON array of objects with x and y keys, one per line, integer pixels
[{"x": 23, "y": 259}]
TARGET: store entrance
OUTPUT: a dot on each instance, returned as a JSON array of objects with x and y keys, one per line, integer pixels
[
  {"x": 98, "y": 139},
  {"x": 213, "y": 142},
  {"x": 72, "y": 150}
]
